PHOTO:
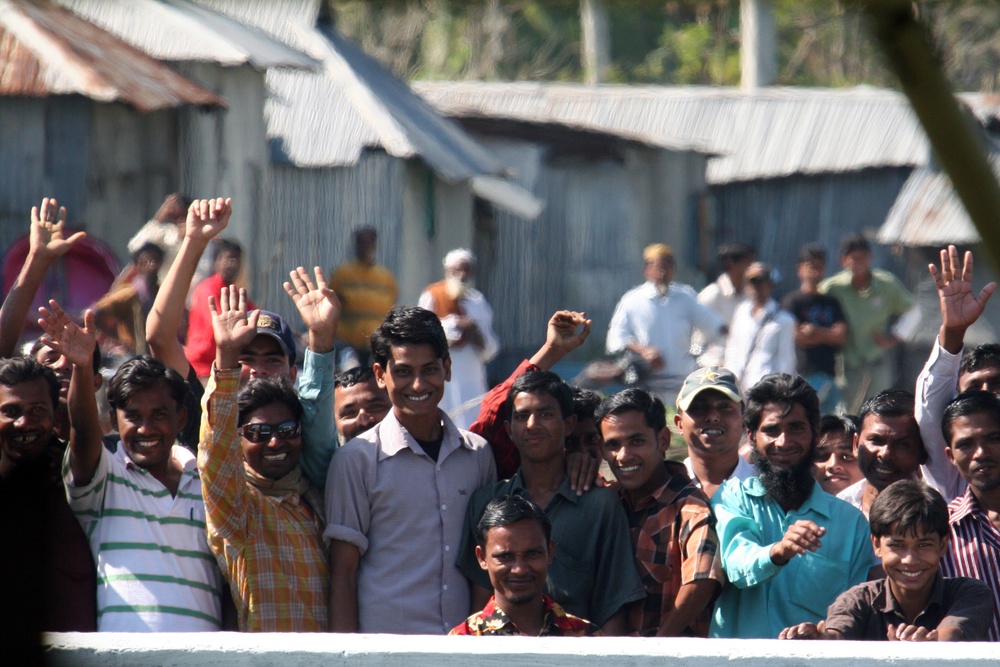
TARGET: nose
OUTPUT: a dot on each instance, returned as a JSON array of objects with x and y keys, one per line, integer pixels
[{"x": 366, "y": 418}]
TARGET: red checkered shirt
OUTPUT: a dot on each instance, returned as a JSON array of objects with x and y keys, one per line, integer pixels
[{"x": 556, "y": 623}]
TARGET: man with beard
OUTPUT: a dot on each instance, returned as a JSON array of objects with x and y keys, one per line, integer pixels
[
  {"x": 888, "y": 446},
  {"x": 971, "y": 427},
  {"x": 514, "y": 545},
  {"x": 468, "y": 322},
  {"x": 788, "y": 548}
]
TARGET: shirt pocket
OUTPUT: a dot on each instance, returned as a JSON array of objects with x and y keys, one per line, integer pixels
[
  {"x": 570, "y": 580},
  {"x": 817, "y": 583}
]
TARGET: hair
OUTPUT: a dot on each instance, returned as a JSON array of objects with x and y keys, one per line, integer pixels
[
  {"x": 148, "y": 247},
  {"x": 505, "y": 510},
  {"x": 459, "y": 255},
  {"x": 261, "y": 392},
  {"x": 980, "y": 356},
  {"x": 634, "y": 400},
  {"x": 812, "y": 252},
  {"x": 585, "y": 403},
  {"x": 729, "y": 253},
  {"x": 407, "y": 325},
  {"x": 845, "y": 424},
  {"x": 852, "y": 243},
  {"x": 365, "y": 231},
  {"x": 353, "y": 376},
  {"x": 905, "y": 506},
  {"x": 141, "y": 373},
  {"x": 969, "y": 403},
  {"x": 37, "y": 346},
  {"x": 222, "y": 245},
  {"x": 18, "y": 370},
  {"x": 542, "y": 382},
  {"x": 781, "y": 389},
  {"x": 888, "y": 403}
]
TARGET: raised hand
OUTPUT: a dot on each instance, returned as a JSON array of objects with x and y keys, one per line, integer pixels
[
  {"x": 960, "y": 307},
  {"x": 46, "y": 239},
  {"x": 562, "y": 333},
  {"x": 317, "y": 304},
  {"x": 206, "y": 218},
  {"x": 66, "y": 337},
  {"x": 234, "y": 329}
]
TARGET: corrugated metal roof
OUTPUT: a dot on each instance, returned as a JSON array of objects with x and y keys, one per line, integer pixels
[
  {"x": 47, "y": 50},
  {"x": 929, "y": 213},
  {"x": 184, "y": 31},
  {"x": 769, "y": 133}
]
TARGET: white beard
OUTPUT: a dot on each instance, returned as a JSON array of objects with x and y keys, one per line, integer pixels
[{"x": 455, "y": 288}]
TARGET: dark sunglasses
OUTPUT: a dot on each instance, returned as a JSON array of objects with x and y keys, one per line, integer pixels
[{"x": 288, "y": 430}]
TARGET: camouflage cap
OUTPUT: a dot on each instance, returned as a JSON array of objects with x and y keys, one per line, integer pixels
[{"x": 714, "y": 377}]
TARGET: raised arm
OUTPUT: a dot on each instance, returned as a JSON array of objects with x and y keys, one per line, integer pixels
[
  {"x": 320, "y": 311},
  {"x": 46, "y": 244},
  {"x": 67, "y": 338},
  {"x": 960, "y": 307},
  {"x": 205, "y": 220}
]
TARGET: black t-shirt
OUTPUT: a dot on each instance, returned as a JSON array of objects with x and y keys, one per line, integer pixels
[
  {"x": 432, "y": 447},
  {"x": 821, "y": 310}
]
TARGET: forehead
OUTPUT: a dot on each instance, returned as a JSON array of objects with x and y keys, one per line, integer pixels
[
  {"x": 460, "y": 265},
  {"x": 624, "y": 422},
  {"x": 835, "y": 439},
  {"x": 779, "y": 413},
  {"x": 272, "y": 413},
  {"x": 525, "y": 531},
  {"x": 529, "y": 401},
  {"x": 31, "y": 391},
  {"x": 46, "y": 353},
  {"x": 264, "y": 346},
  {"x": 362, "y": 392},
  {"x": 981, "y": 371},
  {"x": 977, "y": 421},
  {"x": 897, "y": 425},
  {"x": 412, "y": 354},
  {"x": 155, "y": 396}
]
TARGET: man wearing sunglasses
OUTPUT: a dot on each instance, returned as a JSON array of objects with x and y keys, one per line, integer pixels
[{"x": 263, "y": 518}]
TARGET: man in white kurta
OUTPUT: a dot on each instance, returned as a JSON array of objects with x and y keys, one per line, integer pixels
[{"x": 468, "y": 323}]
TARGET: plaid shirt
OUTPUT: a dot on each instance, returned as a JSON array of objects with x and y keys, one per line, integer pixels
[
  {"x": 974, "y": 551},
  {"x": 556, "y": 623},
  {"x": 673, "y": 532},
  {"x": 270, "y": 547}
]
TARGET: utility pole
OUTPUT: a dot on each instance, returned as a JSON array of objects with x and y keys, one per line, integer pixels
[{"x": 596, "y": 45}]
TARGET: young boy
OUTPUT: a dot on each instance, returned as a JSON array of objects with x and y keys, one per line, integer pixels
[{"x": 909, "y": 525}]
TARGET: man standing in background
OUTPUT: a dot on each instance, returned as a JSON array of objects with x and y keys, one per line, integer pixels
[{"x": 723, "y": 296}]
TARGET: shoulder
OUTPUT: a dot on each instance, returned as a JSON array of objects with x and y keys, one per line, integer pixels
[
  {"x": 637, "y": 293},
  {"x": 473, "y": 441},
  {"x": 836, "y": 281}
]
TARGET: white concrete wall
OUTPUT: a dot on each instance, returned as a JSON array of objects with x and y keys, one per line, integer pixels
[{"x": 231, "y": 649}]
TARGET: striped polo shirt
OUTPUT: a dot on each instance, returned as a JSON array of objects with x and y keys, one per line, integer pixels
[
  {"x": 974, "y": 550},
  {"x": 155, "y": 572}
]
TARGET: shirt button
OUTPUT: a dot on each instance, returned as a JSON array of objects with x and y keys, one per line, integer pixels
[
  {"x": 445, "y": 587},
  {"x": 444, "y": 507},
  {"x": 447, "y": 548}
]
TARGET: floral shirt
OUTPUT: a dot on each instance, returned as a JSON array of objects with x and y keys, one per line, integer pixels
[{"x": 557, "y": 623}]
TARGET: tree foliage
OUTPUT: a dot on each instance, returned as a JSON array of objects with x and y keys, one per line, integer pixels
[{"x": 820, "y": 42}]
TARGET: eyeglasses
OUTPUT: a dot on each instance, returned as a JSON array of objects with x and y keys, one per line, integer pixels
[{"x": 288, "y": 430}]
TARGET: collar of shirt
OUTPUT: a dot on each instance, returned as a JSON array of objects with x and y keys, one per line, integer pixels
[
  {"x": 962, "y": 507},
  {"x": 885, "y": 602},
  {"x": 818, "y": 500},
  {"x": 677, "y": 481},
  {"x": 650, "y": 292},
  {"x": 726, "y": 287},
  {"x": 394, "y": 438},
  {"x": 517, "y": 487}
]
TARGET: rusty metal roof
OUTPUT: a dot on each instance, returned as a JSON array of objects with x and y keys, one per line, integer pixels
[
  {"x": 928, "y": 212},
  {"x": 769, "y": 133},
  {"x": 179, "y": 30},
  {"x": 47, "y": 50}
]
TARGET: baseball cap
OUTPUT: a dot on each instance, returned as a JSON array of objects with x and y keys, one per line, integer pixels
[
  {"x": 273, "y": 325},
  {"x": 714, "y": 377}
]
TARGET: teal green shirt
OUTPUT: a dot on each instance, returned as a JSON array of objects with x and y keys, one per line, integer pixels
[
  {"x": 761, "y": 598},
  {"x": 867, "y": 312},
  {"x": 319, "y": 432}
]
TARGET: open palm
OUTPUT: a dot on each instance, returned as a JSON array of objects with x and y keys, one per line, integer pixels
[{"x": 960, "y": 307}]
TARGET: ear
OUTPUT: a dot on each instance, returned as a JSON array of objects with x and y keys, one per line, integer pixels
[
  {"x": 552, "y": 551},
  {"x": 875, "y": 546},
  {"x": 182, "y": 417},
  {"x": 113, "y": 415},
  {"x": 506, "y": 428},
  {"x": 570, "y": 424},
  {"x": 293, "y": 371},
  {"x": 447, "y": 368},
  {"x": 98, "y": 381},
  {"x": 950, "y": 454},
  {"x": 663, "y": 439},
  {"x": 678, "y": 421},
  {"x": 944, "y": 544},
  {"x": 379, "y": 375},
  {"x": 854, "y": 443},
  {"x": 481, "y": 557}
]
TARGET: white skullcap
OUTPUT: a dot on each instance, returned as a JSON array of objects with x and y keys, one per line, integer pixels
[{"x": 459, "y": 255}]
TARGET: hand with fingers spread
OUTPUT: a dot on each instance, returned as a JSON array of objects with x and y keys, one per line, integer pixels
[
  {"x": 905, "y": 632},
  {"x": 318, "y": 305},
  {"x": 960, "y": 307},
  {"x": 46, "y": 240},
  {"x": 234, "y": 329},
  {"x": 801, "y": 536},
  {"x": 68, "y": 338},
  {"x": 206, "y": 218}
]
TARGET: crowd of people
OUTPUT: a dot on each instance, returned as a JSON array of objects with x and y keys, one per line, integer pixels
[{"x": 231, "y": 488}]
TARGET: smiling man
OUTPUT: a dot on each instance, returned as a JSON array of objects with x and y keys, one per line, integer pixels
[
  {"x": 673, "y": 530},
  {"x": 396, "y": 495},
  {"x": 835, "y": 466},
  {"x": 263, "y": 517},
  {"x": 141, "y": 506},
  {"x": 710, "y": 419},
  {"x": 359, "y": 402},
  {"x": 589, "y": 576},
  {"x": 888, "y": 446},
  {"x": 514, "y": 545},
  {"x": 971, "y": 427},
  {"x": 788, "y": 548}
]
